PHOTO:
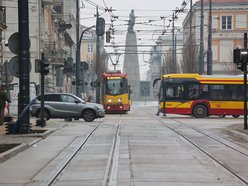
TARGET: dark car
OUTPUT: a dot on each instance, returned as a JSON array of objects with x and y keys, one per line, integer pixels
[{"x": 64, "y": 105}]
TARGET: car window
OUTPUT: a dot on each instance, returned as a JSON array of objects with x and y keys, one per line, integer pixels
[
  {"x": 68, "y": 99},
  {"x": 50, "y": 97}
]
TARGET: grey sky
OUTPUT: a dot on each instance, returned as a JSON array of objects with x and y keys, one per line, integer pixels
[{"x": 148, "y": 23}]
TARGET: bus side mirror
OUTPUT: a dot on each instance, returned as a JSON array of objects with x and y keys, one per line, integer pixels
[{"x": 155, "y": 81}]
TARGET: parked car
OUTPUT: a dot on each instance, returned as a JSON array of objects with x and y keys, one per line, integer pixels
[{"x": 64, "y": 105}]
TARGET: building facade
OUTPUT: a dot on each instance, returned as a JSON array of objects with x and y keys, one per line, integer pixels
[{"x": 229, "y": 23}]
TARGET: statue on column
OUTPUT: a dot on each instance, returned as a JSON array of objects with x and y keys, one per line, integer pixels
[{"x": 131, "y": 21}]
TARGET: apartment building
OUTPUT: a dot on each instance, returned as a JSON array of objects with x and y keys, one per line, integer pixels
[
  {"x": 52, "y": 31},
  {"x": 229, "y": 23}
]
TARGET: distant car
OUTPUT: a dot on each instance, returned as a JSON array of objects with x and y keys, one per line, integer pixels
[{"x": 64, "y": 105}]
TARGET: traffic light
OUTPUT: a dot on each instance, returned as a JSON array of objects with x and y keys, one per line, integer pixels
[
  {"x": 236, "y": 56},
  {"x": 100, "y": 26},
  {"x": 240, "y": 58},
  {"x": 44, "y": 67},
  {"x": 108, "y": 37}
]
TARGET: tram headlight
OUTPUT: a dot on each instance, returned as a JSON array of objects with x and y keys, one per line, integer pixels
[
  {"x": 109, "y": 100},
  {"x": 119, "y": 100}
]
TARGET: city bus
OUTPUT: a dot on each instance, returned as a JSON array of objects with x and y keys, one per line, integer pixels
[
  {"x": 201, "y": 95},
  {"x": 116, "y": 92}
]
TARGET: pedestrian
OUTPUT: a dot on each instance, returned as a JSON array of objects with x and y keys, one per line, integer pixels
[{"x": 3, "y": 98}]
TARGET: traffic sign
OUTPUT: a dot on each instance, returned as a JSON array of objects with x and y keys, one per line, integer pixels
[
  {"x": 14, "y": 66},
  {"x": 13, "y": 43}
]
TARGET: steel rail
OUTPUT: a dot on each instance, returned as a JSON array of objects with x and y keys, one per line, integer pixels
[
  {"x": 64, "y": 164},
  {"x": 226, "y": 167}
]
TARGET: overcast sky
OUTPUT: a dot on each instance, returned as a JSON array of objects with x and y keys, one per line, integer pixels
[{"x": 148, "y": 23}]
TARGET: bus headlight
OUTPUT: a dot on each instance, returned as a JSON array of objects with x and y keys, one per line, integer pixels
[
  {"x": 109, "y": 100},
  {"x": 119, "y": 100}
]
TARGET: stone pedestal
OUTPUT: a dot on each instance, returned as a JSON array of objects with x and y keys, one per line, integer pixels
[{"x": 131, "y": 65}]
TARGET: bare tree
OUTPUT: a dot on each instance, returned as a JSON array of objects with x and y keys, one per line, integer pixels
[
  {"x": 168, "y": 64},
  {"x": 190, "y": 61}
]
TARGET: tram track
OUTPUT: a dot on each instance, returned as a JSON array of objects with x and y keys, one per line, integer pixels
[
  {"x": 61, "y": 166},
  {"x": 179, "y": 128},
  {"x": 77, "y": 144}
]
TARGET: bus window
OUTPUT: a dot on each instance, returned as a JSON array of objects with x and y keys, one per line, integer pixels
[
  {"x": 175, "y": 91},
  {"x": 193, "y": 91},
  {"x": 221, "y": 92}
]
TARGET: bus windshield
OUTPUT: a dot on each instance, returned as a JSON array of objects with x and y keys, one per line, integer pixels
[{"x": 116, "y": 86}]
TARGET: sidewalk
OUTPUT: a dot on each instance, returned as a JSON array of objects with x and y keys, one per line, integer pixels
[
  {"x": 21, "y": 142},
  {"x": 237, "y": 131}
]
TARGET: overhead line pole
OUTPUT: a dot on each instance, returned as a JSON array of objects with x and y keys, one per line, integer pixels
[
  {"x": 201, "y": 54},
  {"x": 190, "y": 20},
  {"x": 209, "y": 56},
  {"x": 24, "y": 61},
  {"x": 173, "y": 43},
  {"x": 77, "y": 51},
  {"x": 98, "y": 99}
]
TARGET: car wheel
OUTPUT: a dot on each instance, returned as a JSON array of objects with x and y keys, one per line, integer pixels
[
  {"x": 235, "y": 116},
  {"x": 200, "y": 111},
  {"x": 46, "y": 114},
  {"x": 88, "y": 115}
]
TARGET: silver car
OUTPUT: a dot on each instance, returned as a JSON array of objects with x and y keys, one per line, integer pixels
[{"x": 64, "y": 105}]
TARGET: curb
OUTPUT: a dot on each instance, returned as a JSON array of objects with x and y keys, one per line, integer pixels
[
  {"x": 237, "y": 134},
  {"x": 23, "y": 146}
]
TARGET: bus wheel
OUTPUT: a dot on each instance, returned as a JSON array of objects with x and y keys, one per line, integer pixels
[
  {"x": 200, "y": 111},
  {"x": 222, "y": 116},
  {"x": 235, "y": 116}
]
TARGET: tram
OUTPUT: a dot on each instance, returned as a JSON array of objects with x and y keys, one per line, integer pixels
[{"x": 116, "y": 92}]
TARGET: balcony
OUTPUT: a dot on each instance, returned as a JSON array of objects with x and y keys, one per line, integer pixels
[
  {"x": 68, "y": 40},
  {"x": 61, "y": 25},
  {"x": 68, "y": 66},
  {"x": 47, "y": 2},
  {"x": 3, "y": 25},
  {"x": 53, "y": 55}
]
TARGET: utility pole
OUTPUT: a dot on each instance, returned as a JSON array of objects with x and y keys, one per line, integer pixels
[
  {"x": 190, "y": 20},
  {"x": 173, "y": 43},
  {"x": 209, "y": 56},
  {"x": 245, "y": 83},
  {"x": 98, "y": 88},
  {"x": 24, "y": 60},
  {"x": 77, "y": 52},
  {"x": 201, "y": 55}
]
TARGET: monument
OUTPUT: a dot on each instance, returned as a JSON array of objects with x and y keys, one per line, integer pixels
[{"x": 131, "y": 61}]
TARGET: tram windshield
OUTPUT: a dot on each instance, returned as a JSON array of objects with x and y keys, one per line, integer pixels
[{"x": 116, "y": 86}]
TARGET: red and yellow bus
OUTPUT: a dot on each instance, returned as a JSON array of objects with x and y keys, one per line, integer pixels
[
  {"x": 201, "y": 95},
  {"x": 116, "y": 92}
]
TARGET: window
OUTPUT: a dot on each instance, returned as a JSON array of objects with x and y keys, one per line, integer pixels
[
  {"x": 226, "y": 22},
  {"x": 50, "y": 97},
  {"x": 175, "y": 91},
  {"x": 67, "y": 98},
  {"x": 90, "y": 48}
]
